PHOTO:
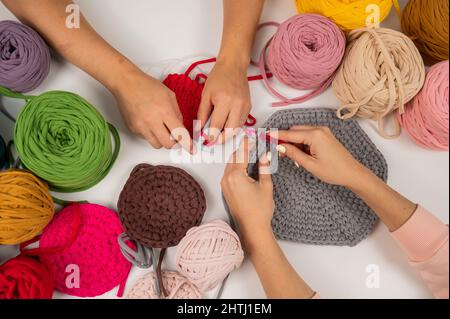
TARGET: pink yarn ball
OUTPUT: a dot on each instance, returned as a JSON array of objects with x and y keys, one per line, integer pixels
[
  {"x": 426, "y": 117},
  {"x": 177, "y": 286},
  {"x": 95, "y": 250},
  {"x": 208, "y": 254},
  {"x": 304, "y": 54}
]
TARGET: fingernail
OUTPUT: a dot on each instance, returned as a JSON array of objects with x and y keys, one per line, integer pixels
[
  {"x": 297, "y": 164},
  {"x": 269, "y": 156},
  {"x": 281, "y": 149}
]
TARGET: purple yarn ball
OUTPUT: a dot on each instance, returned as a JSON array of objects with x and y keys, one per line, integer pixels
[{"x": 24, "y": 57}]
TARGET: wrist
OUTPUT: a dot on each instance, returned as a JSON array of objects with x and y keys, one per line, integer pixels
[
  {"x": 234, "y": 59},
  {"x": 122, "y": 77},
  {"x": 257, "y": 238},
  {"x": 361, "y": 177}
]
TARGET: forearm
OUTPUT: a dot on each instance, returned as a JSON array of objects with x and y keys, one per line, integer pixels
[
  {"x": 241, "y": 19},
  {"x": 278, "y": 277},
  {"x": 81, "y": 46},
  {"x": 392, "y": 208}
]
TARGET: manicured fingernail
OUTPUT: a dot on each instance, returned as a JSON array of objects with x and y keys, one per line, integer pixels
[
  {"x": 297, "y": 164},
  {"x": 269, "y": 157},
  {"x": 281, "y": 149}
]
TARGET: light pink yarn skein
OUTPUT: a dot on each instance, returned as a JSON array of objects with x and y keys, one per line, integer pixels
[
  {"x": 426, "y": 117},
  {"x": 208, "y": 254},
  {"x": 178, "y": 287},
  {"x": 304, "y": 54}
]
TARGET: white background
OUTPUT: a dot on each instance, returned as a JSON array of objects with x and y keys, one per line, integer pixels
[{"x": 148, "y": 31}]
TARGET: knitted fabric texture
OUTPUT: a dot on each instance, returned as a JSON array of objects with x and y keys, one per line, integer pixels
[
  {"x": 382, "y": 71},
  {"x": 24, "y": 57},
  {"x": 189, "y": 91},
  {"x": 24, "y": 277},
  {"x": 189, "y": 95},
  {"x": 303, "y": 54},
  {"x": 159, "y": 204},
  {"x": 426, "y": 116},
  {"x": 426, "y": 22},
  {"x": 208, "y": 254},
  {"x": 88, "y": 234},
  {"x": 348, "y": 14},
  {"x": 26, "y": 207},
  {"x": 178, "y": 287},
  {"x": 3, "y": 154},
  {"x": 310, "y": 211}
]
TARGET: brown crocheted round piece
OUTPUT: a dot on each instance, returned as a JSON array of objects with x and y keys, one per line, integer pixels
[{"x": 159, "y": 204}]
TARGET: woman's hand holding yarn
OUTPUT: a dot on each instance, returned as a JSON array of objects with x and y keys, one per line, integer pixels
[
  {"x": 226, "y": 98},
  {"x": 250, "y": 202},
  {"x": 328, "y": 160},
  {"x": 150, "y": 110}
]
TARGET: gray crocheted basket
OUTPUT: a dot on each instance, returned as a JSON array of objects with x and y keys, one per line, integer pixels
[{"x": 313, "y": 212}]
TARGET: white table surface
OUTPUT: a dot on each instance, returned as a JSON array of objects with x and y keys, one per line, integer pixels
[{"x": 148, "y": 31}]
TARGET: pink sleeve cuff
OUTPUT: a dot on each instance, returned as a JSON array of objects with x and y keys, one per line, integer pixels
[{"x": 422, "y": 235}]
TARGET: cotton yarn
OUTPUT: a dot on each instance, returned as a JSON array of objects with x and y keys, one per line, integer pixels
[
  {"x": 26, "y": 207},
  {"x": 426, "y": 22},
  {"x": 208, "y": 254},
  {"x": 24, "y": 277},
  {"x": 84, "y": 235},
  {"x": 178, "y": 287},
  {"x": 3, "y": 154},
  {"x": 304, "y": 54},
  {"x": 189, "y": 91},
  {"x": 382, "y": 71},
  {"x": 308, "y": 210},
  {"x": 24, "y": 57},
  {"x": 347, "y": 14},
  {"x": 426, "y": 116},
  {"x": 64, "y": 140}
]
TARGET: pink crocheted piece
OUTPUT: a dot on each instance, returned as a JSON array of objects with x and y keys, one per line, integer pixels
[
  {"x": 177, "y": 286},
  {"x": 208, "y": 254},
  {"x": 95, "y": 250}
]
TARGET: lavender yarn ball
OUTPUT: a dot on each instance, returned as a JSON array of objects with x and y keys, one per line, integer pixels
[{"x": 24, "y": 57}]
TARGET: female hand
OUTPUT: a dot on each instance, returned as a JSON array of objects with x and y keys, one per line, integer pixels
[
  {"x": 226, "y": 98},
  {"x": 329, "y": 160},
  {"x": 250, "y": 202},
  {"x": 151, "y": 111}
]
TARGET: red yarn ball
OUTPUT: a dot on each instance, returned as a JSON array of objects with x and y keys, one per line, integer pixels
[{"x": 24, "y": 277}]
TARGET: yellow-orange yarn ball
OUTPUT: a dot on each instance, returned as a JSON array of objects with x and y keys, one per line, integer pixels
[
  {"x": 348, "y": 14},
  {"x": 26, "y": 207},
  {"x": 426, "y": 23}
]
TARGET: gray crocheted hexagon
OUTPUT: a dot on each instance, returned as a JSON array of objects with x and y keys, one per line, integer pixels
[{"x": 313, "y": 212}]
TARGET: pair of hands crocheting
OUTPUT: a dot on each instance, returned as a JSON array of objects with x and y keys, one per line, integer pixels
[
  {"x": 151, "y": 111},
  {"x": 251, "y": 202}
]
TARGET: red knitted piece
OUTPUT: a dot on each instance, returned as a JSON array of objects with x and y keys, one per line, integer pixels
[
  {"x": 189, "y": 95},
  {"x": 24, "y": 277}
]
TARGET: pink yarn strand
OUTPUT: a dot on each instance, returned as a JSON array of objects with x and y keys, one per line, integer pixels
[{"x": 304, "y": 54}]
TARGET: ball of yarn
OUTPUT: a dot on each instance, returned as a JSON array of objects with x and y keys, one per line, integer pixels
[
  {"x": 24, "y": 57},
  {"x": 304, "y": 54},
  {"x": 26, "y": 278},
  {"x": 427, "y": 23},
  {"x": 85, "y": 236},
  {"x": 64, "y": 140},
  {"x": 347, "y": 14},
  {"x": 208, "y": 254},
  {"x": 426, "y": 116},
  {"x": 3, "y": 154},
  {"x": 26, "y": 207},
  {"x": 382, "y": 71},
  {"x": 178, "y": 287},
  {"x": 159, "y": 204}
]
